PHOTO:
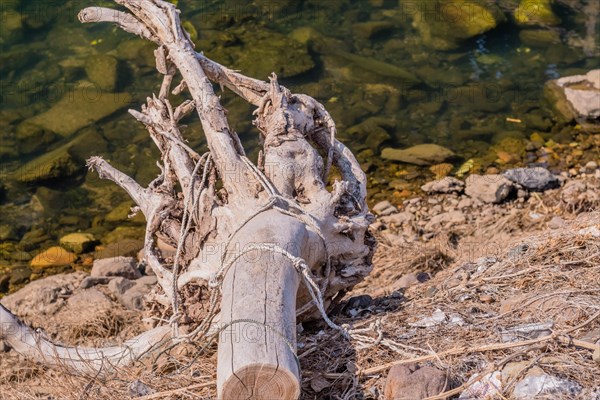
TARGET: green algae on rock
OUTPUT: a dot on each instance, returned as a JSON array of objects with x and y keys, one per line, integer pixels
[
  {"x": 443, "y": 25},
  {"x": 536, "y": 12},
  {"x": 79, "y": 108}
]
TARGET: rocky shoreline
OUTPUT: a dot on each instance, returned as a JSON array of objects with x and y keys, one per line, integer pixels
[{"x": 105, "y": 305}]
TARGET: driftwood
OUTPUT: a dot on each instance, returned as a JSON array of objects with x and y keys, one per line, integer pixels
[{"x": 268, "y": 238}]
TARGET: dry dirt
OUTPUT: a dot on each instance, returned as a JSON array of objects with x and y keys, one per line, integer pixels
[{"x": 518, "y": 264}]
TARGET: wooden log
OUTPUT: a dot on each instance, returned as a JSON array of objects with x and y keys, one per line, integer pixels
[{"x": 256, "y": 355}]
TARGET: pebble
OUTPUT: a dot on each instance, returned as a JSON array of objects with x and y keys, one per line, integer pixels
[
  {"x": 486, "y": 298},
  {"x": 398, "y": 219},
  {"x": 591, "y": 167},
  {"x": 138, "y": 389},
  {"x": 445, "y": 185},
  {"x": 381, "y": 206},
  {"x": 464, "y": 203},
  {"x": 556, "y": 223},
  {"x": 407, "y": 280}
]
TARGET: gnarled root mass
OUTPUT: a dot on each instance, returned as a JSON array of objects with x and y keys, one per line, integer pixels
[{"x": 218, "y": 208}]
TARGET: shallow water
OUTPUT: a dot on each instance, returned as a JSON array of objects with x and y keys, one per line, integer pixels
[{"x": 366, "y": 61}]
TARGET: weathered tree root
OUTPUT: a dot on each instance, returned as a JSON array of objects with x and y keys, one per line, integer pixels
[
  {"x": 249, "y": 241},
  {"x": 90, "y": 361}
]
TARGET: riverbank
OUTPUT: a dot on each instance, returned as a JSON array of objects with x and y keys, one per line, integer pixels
[{"x": 453, "y": 274}]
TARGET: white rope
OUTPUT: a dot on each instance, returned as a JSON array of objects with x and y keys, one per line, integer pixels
[
  {"x": 299, "y": 264},
  {"x": 183, "y": 232}
]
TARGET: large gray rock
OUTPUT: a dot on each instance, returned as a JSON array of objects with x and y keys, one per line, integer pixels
[
  {"x": 421, "y": 154},
  {"x": 44, "y": 296},
  {"x": 125, "y": 267},
  {"x": 577, "y": 97},
  {"x": 489, "y": 188},
  {"x": 535, "y": 179}
]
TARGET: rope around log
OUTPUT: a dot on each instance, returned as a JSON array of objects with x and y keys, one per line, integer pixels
[{"x": 299, "y": 264}]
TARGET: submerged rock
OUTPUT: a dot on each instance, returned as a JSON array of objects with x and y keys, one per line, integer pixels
[
  {"x": 265, "y": 52},
  {"x": 19, "y": 274},
  {"x": 102, "y": 70},
  {"x": 421, "y": 154},
  {"x": 17, "y": 58},
  {"x": 11, "y": 28},
  {"x": 443, "y": 25},
  {"x": 79, "y": 108},
  {"x": 377, "y": 67},
  {"x": 539, "y": 37},
  {"x": 32, "y": 138},
  {"x": 536, "y": 12},
  {"x": 47, "y": 201},
  {"x": 56, "y": 164},
  {"x": 53, "y": 257},
  {"x": 488, "y": 188},
  {"x": 78, "y": 242},
  {"x": 8, "y": 232},
  {"x": 366, "y": 30},
  {"x": 140, "y": 52},
  {"x": 535, "y": 179}
]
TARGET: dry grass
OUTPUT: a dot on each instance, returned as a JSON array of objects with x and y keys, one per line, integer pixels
[{"x": 549, "y": 276}]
